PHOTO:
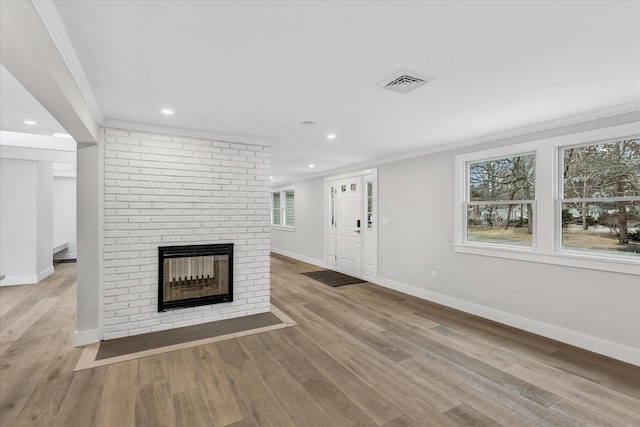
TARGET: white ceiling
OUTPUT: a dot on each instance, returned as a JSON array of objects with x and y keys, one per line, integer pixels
[
  {"x": 17, "y": 105},
  {"x": 256, "y": 70}
]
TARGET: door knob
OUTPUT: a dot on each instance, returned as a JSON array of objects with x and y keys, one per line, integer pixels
[{"x": 356, "y": 231}]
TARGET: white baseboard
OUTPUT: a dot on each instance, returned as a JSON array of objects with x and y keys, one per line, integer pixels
[
  {"x": 65, "y": 255},
  {"x": 30, "y": 279},
  {"x": 82, "y": 338},
  {"x": 308, "y": 260},
  {"x": 45, "y": 273},
  {"x": 587, "y": 342}
]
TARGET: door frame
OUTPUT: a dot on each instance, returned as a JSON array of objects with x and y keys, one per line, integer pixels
[{"x": 368, "y": 175}]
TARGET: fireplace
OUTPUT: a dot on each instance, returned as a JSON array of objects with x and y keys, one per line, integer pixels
[{"x": 194, "y": 275}]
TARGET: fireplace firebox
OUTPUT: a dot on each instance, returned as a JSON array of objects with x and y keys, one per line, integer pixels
[{"x": 194, "y": 275}]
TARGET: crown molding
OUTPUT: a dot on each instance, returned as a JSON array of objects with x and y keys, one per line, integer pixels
[
  {"x": 628, "y": 113},
  {"x": 50, "y": 17}
]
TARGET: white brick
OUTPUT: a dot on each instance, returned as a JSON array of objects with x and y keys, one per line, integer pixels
[
  {"x": 160, "y": 137},
  {"x": 116, "y": 132}
]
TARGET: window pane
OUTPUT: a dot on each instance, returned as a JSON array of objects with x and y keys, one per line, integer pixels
[
  {"x": 369, "y": 204},
  {"x": 612, "y": 227},
  {"x": 510, "y": 178},
  {"x": 332, "y": 211},
  {"x": 602, "y": 170},
  {"x": 289, "y": 207},
  {"x": 505, "y": 224},
  {"x": 275, "y": 208}
]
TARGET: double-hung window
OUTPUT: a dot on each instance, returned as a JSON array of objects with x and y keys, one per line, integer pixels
[
  {"x": 600, "y": 207},
  {"x": 570, "y": 200},
  {"x": 500, "y": 205},
  {"x": 283, "y": 207}
]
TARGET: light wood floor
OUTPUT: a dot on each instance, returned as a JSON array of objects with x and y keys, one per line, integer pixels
[{"x": 360, "y": 355}]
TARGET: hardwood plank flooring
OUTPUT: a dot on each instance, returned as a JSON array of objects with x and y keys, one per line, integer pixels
[{"x": 360, "y": 355}]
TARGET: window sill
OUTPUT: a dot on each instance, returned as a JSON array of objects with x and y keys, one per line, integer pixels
[
  {"x": 283, "y": 227},
  {"x": 567, "y": 259}
]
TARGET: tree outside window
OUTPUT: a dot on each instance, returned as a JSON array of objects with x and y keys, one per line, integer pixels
[
  {"x": 601, "y": 197},
  {"x": 501, "y": 200}
]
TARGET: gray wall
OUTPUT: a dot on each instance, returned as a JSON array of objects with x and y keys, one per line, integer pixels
[
  {"x": 593, "y": 309},
  {"x": 307, "y": 241},
  {"x": 419, "y": 239},
  {"x": 88, "y": 242}
]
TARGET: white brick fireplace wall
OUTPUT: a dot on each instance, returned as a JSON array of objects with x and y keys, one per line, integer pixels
[{"x": 164, "y": 190}]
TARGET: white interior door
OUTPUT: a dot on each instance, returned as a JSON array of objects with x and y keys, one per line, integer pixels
[{"x": 349, "y": 226}]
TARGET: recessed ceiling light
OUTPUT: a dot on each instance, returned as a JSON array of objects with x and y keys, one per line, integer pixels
[
  {"x": 331, "y": 136},
  {"x": 62, "y": 135},
  {"x": 311, "y": 165},
  {"x": 167, "y": 111},
  {"x": 271, "y": 177},
  {"x": 30, "y": 122}
]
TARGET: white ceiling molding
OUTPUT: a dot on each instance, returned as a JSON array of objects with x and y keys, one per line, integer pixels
[
  {"x": 626, "y": 113},
  {"x": 64, "y": 174},
  {"x": 51, "y": 20},
  {"x": 168, "y": 130},
  {"x": 628, "y": 108},
  {"x": 36, "y": 154},
  {"x": 30, "y": 140}
]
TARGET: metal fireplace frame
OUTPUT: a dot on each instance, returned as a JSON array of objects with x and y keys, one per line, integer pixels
[{"x": 191, "y": 251}]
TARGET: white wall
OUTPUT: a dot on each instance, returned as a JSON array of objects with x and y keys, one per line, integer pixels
[
  {"x": 44, "y": 210},
  {"x": 596, "y": 310},
  {"x": 64, "y": 215},
  {"x": 18, "y": 232},
  {"x": 307, "y": 240},
  {"x": 25, "y": 221}
]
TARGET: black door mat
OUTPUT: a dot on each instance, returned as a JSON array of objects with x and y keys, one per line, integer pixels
[
  {"x": 151, "y": 340},
  {"x": 333, "y": 278}
]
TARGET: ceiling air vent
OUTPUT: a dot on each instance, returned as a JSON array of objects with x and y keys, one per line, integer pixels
[{"x": 406, "y": 81}]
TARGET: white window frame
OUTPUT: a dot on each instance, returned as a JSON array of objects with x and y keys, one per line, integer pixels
[
  {"x": 548, "y": 226},
  {"x": 283, "y": 207}
]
